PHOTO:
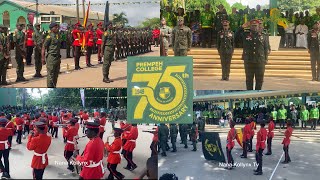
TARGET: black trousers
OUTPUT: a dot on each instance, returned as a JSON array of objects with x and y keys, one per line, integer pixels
[
  {"x": 269, "y": 144},
  {"x": 101, "y": 135},
  {"x": 26, "y": 129},
  {"x": 163, "y": 145},
  {"x": 68, "y": 155},
  {"x": 314, "y": 123},
  {"x": 55, "y": 131},
  {"x": 113, "y": 171},
  {"x": 88, "y": 55},
  {"x": 10, "y": 141},
  {"x": 259, "y": 159},
  {"x": 128, "y": 156},
  {"x": 77, "y": 54},
  {"x": 229, "y": 156},
  {"x": 38, "y": 174},
  {"x": 245, "y": 148},
  {"x": 29, "y": 54},
  {"x": 123, "y": 143},
  {"x": 286, "y": 153},
  {"x": 206, "y": 37},
  {"x": 225, "y": 65},
  {"x": 250, "y": 144},
  {"x": 19, "y": 136},
  {"x": 315, "y": 65},
  {"x": 254, "y": 70},
  {"x": 154, "y": 148},
  {"x": 282, "y": 123},
  {"x": 5, "y": 165}
]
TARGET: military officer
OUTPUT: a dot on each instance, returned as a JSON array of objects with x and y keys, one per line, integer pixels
[
  {"x": 206, "y": 23},
  {"x": 77, "y": 43},
  {"x": 260, "y": 146},
  {"x": 38, "y": 42},
  {"x": 4, "y": 55},
  {"x": 255, "y": 55},
  {"x": 163, "y": 137},
  {"x": 99, "y": 34},
  {"x": 313, "y": 49},
  {"x": 30, "y": 44},
  {"x": 89, "y": 44},
  {"x": 173, "y": 136},
  {"x": 52, "y": 45},
  {"x": 19, "y": 40},
  {"x": 107, "y": 47},
  {"x": 201, "y": 127},
  {"x": 181, "y": 38},
  {"x": 194, "y": 134},
  {"x": 165, "y": 34},
  {"x": 225, "y": 49}
]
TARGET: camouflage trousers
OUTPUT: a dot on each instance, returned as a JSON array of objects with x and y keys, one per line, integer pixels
[
  {"x": 37, "y": 60},
  {"x": 3, "y": 69},
  {"x": 20, "y": 65},
  {"x": 180, "y": 52},
  {"x": 107, "y": 59},
  {"x": 53, "y": 69}
]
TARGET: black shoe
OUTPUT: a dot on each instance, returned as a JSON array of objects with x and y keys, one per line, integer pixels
[
  {"x": 88, "y": 65},
  {"x": 284, "y": 162},
  {"x": 133, "y": 168},
  {"x": 122, "y": 176},
  {"x": 194, "y": 150},
  {"x": 91, "y": 64},
  {"x": 227, "y": 79},
  {"x": 186, "y": 147},
  {"x": 24, "y": 79},
  {"x": 255, "y": 170},
  {"x": 106, "y": 81},
  {"x": 258, "y": 173},
  {"x": 222, "y": 79},
  {"x": 174, "y": 151},
  {"x": 269, "y": 153},
  {"x": 18, "y": 80},
  {"x": 71, "y": 169},
  {"x": 163, "y": 154},
  {"x": 127, "y": 168}
]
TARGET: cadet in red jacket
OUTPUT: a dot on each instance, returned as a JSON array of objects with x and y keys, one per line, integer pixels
[
  {"x": 103, "y": 121},
  {"x": 96, "y": 114},
  {"x": 286, "y": 142},
  {"x": 11, "y": 127},
  {"x": 270, "y": 136},
  {"x": 55, "y": 121},
  {"x": 99, "y": 33},
  {"x": 85, "y": 118},
  {"x": 80, "y": 115},
  {"x": 77, "y": 43},
  {"x": 260, "y": 146},
  {"x": 230, "y": 144},
  {"x": 4, "y": 148},
  {"x": 71, "y": 133},
  {"x": 253, "y": 127},
  {"x": 114, "y": 157},
  {"x": 40, "y": 146},
  {"x": 26, "y": 119},
  {"x": 92, "y": 155},
  {"x": 246, "y": 138},
  {"x": 19, "y": 124},
  {"x": 89, "y": 35},
  {"x": 29, "y": 43},
  {"x": 129, "y": 147}
]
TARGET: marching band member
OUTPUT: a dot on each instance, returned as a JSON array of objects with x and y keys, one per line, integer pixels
[
  {"x": 103, "y": 121},
  {"x": 19, "y": 124},
  {"x": 40, "y": 145},
  {"x": 4, "y": 148},
  {"x": 70, "y": 132},
  {"x": 129, "y": 147}
]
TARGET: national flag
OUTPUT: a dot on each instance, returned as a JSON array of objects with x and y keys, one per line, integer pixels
[{"x": 239, "y": 136}]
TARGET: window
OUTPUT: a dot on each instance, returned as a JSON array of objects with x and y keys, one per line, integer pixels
[
  {"x": 21, "y": 20},
  {"x": 6, "y": 19},
  {"x": 55, "y": 19},
  {"x": 45, "y": 19}
]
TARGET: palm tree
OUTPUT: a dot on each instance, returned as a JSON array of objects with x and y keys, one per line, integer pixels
[{"x": 120, "y": 19}]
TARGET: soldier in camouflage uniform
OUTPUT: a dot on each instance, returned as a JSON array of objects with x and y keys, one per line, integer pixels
[
  {"x": 313, "y": 49},
  {"x": 181, "y": 39},
  {"x": 4, "y": 55},
  {"x": 173, "y": 136},
  {"x": 184, "y": 134},
  {"x": 193, "y": 134},
  {"x": 255, "y": 55},
  {"x": 165, "y": 36},
  {"x": 163, "y": 138},
  {"x": 19, "y": 40},
  {"x": 107, "y": 48},
  {"x": 68, "y": 41},
  {"x": 225, "y": 47},
  {"x": 118, "y": 36},
  {"x": 52, "y": 45},
  {"x": 38, "y": 42}
]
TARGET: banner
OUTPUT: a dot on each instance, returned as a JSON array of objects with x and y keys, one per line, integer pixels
[
  {"x": 211, "y": 147},
  {"x": 160, "y": 90},
  {"x": 82, "y": 97}
]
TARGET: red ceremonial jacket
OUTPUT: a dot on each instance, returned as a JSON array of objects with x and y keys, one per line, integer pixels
[
  {"x": 287, "y": 135},
  {"x": 102, "y": 124},
  {"x": 270, "y": 129},
  {"x": 29, "y": 34},
  {"x": 70, "y": 133},
  {"x": 77, "y": 36},
  {"x": 40, "y": 145},
  {"x": 155, "y": 136},
  {"x": 89, "y": 38},
  {"x": 4, "y": 134},
  {"x": 231, "y": 136},
  {"x": 19, "y": 123},
  {"x": 10, "y": 126},
  {"x": 261, "y": 139},
  {"x": 131, "y": 139},
  {"x": 246, "y": 132},
  {"x": 99, "y": 33},
  {"x": 114, "y": 151}
]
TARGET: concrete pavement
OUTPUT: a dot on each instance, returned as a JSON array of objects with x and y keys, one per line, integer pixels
[
  {"x": 20, "y": 157},
  {"x": 189, "y": 165}
]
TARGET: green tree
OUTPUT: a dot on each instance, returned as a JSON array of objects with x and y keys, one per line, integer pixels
[
  {"x": 120, "y": 19},
  {"x": 238, "y": 6},
  {"x": 299, "y": 5},
  {"x": 153, "y": 22}
]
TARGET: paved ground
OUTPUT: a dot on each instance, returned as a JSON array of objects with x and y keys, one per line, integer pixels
[
  {"x": 20, "y": 157},
  {"x": 88, "y": 77},
  {"x": 189, "y": 165},
  {"x": 239, "y": 83}
]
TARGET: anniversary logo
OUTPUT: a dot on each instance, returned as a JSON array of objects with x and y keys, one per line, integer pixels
[{"x": 160, "y": 89}]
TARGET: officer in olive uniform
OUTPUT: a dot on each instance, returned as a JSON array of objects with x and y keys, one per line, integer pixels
[
  {"x": 4, "y": 55},
  {"x": 225, "y": 45},
  {"x": 313, "y": 49},
  {"x": 163, "y": 138},
  {"x": 181, "y": 38},
  {"x": 68, "y": 41},
  {"x": 52, "y": 45},
  {"x": 184, "y": 134},
  {"x": 165, "y": 35},
  {"x": 19, "y": 40},
  {"x": 107, "y": 47},
  {"x": 255, "y": 55},
  {"x": 173, "y": 136},
  {"x": 206, "y": 22},
  {"x": 38, "y": 42}
]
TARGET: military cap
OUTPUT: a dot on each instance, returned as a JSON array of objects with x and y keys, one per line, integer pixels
[
  {"x": 53, "y": 24},
  {"x": 99, "y": 24},
  {"x": 73, "y": 120},
  {"x": 92, "y": 125},
  {"x": 254, "y": 22},
  {"x": 225, "y": 22},
  {"x": 3, "y": 121},
  {"x": 180, "y": 18},
  {"x": 20, "y": 24},
  {"x": 39, "y": 124},
  {"x": 118, "y": 130},
  {"x": 90, "y": 25}
]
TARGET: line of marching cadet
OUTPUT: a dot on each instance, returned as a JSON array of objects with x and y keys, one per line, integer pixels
[
  {"x": 263, "y": 135},
  {"x": 91, "y": 159}
]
